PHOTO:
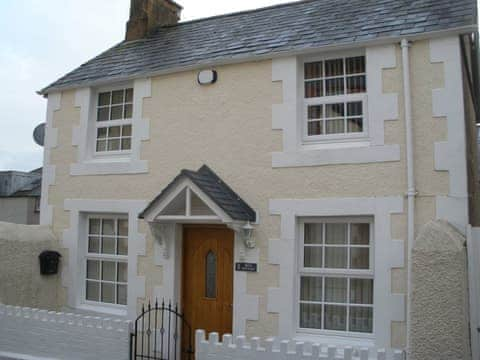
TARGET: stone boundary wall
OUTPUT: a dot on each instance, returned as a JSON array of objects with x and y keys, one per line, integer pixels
[{"x": 28, "y": 333}]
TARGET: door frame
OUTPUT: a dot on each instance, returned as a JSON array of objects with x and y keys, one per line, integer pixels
[{"x": 169, "y": 255}]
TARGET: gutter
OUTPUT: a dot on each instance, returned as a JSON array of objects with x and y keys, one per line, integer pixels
[
  {"x": 411, "y": 191},
  {"x": 248, "y": 57}
]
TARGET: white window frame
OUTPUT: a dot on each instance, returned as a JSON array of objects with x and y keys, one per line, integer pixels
[
  {"x": 111, "y": 123},
  {"x": 343, "y": 273},
  {"x": 94, "y": 305},
  {"x": 345, "y": 137}
]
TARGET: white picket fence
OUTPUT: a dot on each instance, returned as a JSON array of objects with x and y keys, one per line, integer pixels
[
  {"x": 33, "y": 333},
  {"x": 272, "y": 349}
]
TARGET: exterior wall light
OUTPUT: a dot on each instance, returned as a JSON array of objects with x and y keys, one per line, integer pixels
[
  {"x": 249, "y": 240},
  {"x": 207, "y": 77},
  {"x": 162, "y": 233}
]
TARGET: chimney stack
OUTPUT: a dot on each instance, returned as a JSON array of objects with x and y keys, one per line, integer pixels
[{"x": 146, "y": 15}]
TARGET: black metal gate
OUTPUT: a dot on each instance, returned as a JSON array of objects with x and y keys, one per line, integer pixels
[{"x": 161, "y": 333}]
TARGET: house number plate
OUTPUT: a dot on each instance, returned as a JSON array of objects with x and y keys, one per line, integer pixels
[{"x": 248, "y": 267}]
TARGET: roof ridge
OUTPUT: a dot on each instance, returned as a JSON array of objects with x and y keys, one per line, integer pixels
[{"x": 240, "y": 12}]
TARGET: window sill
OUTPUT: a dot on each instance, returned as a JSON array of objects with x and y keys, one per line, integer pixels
[
  {"x": 103, "y": 310},
  {"x": 336, "y": 153},
  {"x": 367, "y": 341},
  {"x": 109, "y": 166}
]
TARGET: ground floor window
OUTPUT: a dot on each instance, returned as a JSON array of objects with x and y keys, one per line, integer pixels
[
  {"x": 106, "y": 260},
  {"x": 335, "y": 275}
]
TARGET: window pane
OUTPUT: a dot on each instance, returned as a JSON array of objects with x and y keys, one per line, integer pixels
[
  {"x": 355, "y": 65},
  {"x": 313, "y": 234},
  {"x": 104, "y": 99},
  {"x": 360, "y": 234},
  {"x": 129, "y": 95},
  {"x": 128, "y": 112},
  {"x": 315, "y": 128},
  {"x": 122, "y": 227},
  {"x": 314, "y": 70},
  {"x": 114, "y": 131},
  {"x": 101, "y": 145},
  {"x": 313, "y": 88},
  {"x": 334, "y": 87},
  {"x": 336, "y": 234},
  {"x": 335, "y": 110},
  {"x": 361, "y": 319},
  {"x": 114, "y": 145},
  {"x": 127, "y": 130},
  {"x": 122, "y": 294},
  {"x": 126, "y": 144},
  {"x": 359, "y": 258},
  {"x": 355, "y": 108},
  {"x": 122, "y": 247},
  {"x": 335, "y": 126},
  {"x": 117, "y": 112},
  {"x": 108, "y": 270},
  {"x": 122, "y": 275},
  {"x": 102, "y": 133},
  {"x": 312, "y": 257},
  {"x": 93, "y": 269},
  {"x": 211, "y": 275},
  {"x": 108, "y": 245},
  {"x": 355, "y": 125},
  {"x": 311, "y": 288},
  {"x": 93, "y": 291},
  {"x": 336, "y": 257},
  {"x": 117, "y": 97},
  {"x": 108, "y": 227},
  {"x": 315, "y": 112},
  {"x": 356, "y": 84},
  {"x": 311, "y": 316},
  {"x": 108, "y": 293},
  {"x": 336, "y": 290},
  {"x": 361, "y": 291},
  {"x": 103, "y": 114},
  {"x": 93, "y": 244},
  {"x": 335, "y": 317},
  {"x": 94, "y": 226},
  {"x": 334, "y": 67}
]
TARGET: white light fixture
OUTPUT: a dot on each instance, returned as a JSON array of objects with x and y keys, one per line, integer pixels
[
  {"x": 162, "y": 233},
  {"x": 207, "y": 77},
  {"x": 247, "y": 231}
]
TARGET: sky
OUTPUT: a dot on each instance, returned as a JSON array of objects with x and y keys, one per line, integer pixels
[{"x": 44, "y": 39}]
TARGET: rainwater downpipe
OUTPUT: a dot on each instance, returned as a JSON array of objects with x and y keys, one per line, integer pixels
[{"x": 411, "y": 191}]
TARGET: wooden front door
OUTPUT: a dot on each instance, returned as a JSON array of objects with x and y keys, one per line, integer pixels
[{"x": 207, "y": 285}]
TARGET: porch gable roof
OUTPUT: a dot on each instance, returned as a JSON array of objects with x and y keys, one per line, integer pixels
[{"x": 215, "y": 189}]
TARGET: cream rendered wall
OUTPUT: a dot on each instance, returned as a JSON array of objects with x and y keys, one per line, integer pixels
[{"x": 228, "y": 126}]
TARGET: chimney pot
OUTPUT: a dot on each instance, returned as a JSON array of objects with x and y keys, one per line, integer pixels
[{"x": 147, "y": 15}]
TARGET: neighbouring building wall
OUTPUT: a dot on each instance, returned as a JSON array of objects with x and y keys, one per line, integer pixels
[
  {"x": 19, "y": 210},
  {"x": 228, "y": 126},
  {"x": 439, "y": 329},
  {"x": 20, "y": 281}
]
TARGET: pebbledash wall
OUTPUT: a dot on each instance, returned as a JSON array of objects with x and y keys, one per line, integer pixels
[{"x": 244, "y": 128}]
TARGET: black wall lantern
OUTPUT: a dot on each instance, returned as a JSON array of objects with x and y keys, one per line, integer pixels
[{"x": 49, "y": 262}]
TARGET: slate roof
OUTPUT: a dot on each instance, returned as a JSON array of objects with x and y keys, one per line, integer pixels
[
  {"x": 216, "y": 189},
  {"x": 287, "y": 28},
  {"x": 20, "y": 184}
]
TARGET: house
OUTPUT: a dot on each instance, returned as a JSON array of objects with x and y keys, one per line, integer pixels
[
  {"x": 267, "y": 170},
  {"x": 20, "y": 196}
]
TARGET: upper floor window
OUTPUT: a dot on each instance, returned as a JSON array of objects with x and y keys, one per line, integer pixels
[
  {"x": 114, "y": 121},
  {"x": 335, "y": 98}
]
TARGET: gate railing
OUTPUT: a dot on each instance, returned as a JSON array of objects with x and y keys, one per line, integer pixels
[{"x": 161, "y": 333}]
